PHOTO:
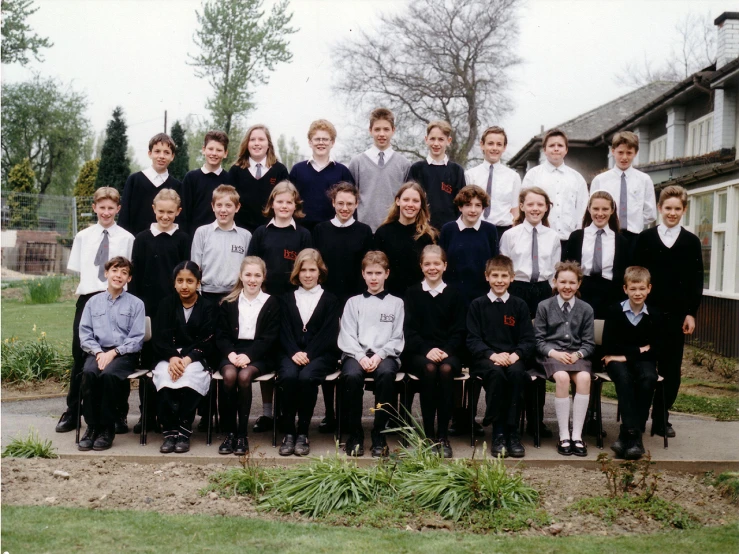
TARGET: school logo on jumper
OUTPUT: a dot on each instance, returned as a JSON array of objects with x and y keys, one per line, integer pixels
[
  {"x": 387, "y": 318},
  {"x": 446, "y": 187},
  {"x": 238, "y": 249},
  {"x": 289, "y": 254},
  {"x": 509, "y": 320},
  {"x": 273, "y": 181}
]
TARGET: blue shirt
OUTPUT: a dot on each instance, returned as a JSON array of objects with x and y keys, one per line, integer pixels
[
  {"x": 633, "y": 318},
  {"x": 109, "y": 322}
]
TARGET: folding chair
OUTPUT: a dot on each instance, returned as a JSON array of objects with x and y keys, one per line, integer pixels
[{"x": 413, "y": 380}]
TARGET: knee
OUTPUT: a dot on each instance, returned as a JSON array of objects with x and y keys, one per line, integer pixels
[
  {"x": 561, "y": 378},
  {"x": 430, "y": 370},
  {"x": 446, "y": 372},
  {"x": 583, "y": 378},
  {"x": 245, "y": 379}
]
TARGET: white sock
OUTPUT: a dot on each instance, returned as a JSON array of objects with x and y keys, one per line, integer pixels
[
  {"x": 579, "y": 411},
  {"x": 562, "y": 409},
  {"x": 267, "y": 409}
]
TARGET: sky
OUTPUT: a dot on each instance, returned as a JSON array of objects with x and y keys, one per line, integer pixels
[{"x": 133, "y": 53}]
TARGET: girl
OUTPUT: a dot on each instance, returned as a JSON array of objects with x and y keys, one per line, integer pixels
[
  {"x": 254, "y": 173},
  {"x": 310, "y": 327},
  {"x": 434, "y": 334},
  {"x": 404, "y": 233},
  {"x": 469, "y": 242},
  {"x": 184, "y": 337},
  {"x": 247, "y": 338},
  {"x": 565, "y": 337},
  {"x": 601, "y": 251}
]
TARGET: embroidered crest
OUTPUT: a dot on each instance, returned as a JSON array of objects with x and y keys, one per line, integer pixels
[
  {"x": 446, "y": 187},
  {"x": 509, "y": 320},
  {"x": 289, "y": 254},
  {"x": 387, "y": 318}
]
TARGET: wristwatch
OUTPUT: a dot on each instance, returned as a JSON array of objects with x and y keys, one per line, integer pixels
[
  {"x": 579, "y": 354},
  {"x": 118, "y": 352}
]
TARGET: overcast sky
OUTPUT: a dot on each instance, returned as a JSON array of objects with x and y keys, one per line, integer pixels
[{"x": 133, "y": 53}]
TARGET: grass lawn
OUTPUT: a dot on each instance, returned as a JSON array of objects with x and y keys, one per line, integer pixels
[
  {"x": 55, "y": 320},
  {"x": 48, "y": 529}
]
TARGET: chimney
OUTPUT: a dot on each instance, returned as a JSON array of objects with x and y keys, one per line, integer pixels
[{"x": 728, "y": 38}]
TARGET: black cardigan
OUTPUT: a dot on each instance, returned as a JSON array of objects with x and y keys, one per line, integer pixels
[
  {"x": 621, "y": 338},
  {"x": 170, "y": 331},
  {"x": 266, "y": 335},
  {"x": 434, "y": 321},
  {"x": 320, "y": 334},
  {"x": 620, "y": 256}
]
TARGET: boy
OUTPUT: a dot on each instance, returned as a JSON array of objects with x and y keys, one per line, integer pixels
[
  {"x": 219, "y": 247},
  {"x": 111, "y": 333},
  {"x": 199, "y": 184},
  {"x": 314, "y": 177},
  {"x": 674, "y": 259},
  {"x": 371, "y": 341},
  {"x": 500, "y": 339},
  {"x": 565, "y": 186},
  {"x": 632, "y": 190},
  {"x": 630, "y": 338},
  {"x": 440, "y": 178},
  {"x": 91, "y": 249},
  {"x": 501, "y": 183},
  {"x": 379, "y": 172},
  {"x": 141, "y": 187}
]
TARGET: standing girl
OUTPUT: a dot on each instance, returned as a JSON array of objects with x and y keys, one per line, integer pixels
[
  {"x": 565, "y": 337},
  {"x": 247, "y": 339}
]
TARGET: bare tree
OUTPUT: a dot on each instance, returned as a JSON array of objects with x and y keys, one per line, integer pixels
[{"x": 437, "y": 59}]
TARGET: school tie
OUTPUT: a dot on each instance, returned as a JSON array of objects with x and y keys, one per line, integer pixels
[
  {"x": 381, "y": 163},
  {"x": 566, "y": 308},
  {"x": 598, "y": 254},
  {"x": 101, "y": 258},
  {"x": 259, "y": 171},
  {"x": 499, "y": 300},
  {"x": 534, "y": 256},
  {"x": 489, "y": 190},
  {"x": 623, "y": 203}
]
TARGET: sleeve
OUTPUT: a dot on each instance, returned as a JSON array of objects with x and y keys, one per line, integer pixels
[
  {"x": 394, "y": 347},
  {"x": 353, "y": 168},
  {"x": 162, "y": 332},
  {"x": 129, "y": 245},
  {"x": 613, "y": 344},
  {"x": 415, "y": 174},
  {"x": 461, "y": 182},
  {"x": 493, "y": 241},
  {"x": 529, "y": 180},
  {"x": 543, "y": 346},
  {"x": 87, "y": 336},
  {"x": 582, "y": 201},
  {"x": 184, "y": 247},
  {"x": 202, "y": 348},
  {"x": 124, "y": 217},
  {"x": 573, "y": 252},
  {"x": 346, "y": 175},
  {"x": 75, "y": 255},
  {"x": 445, "y": 236},
  {"x": 349, "y": 332},
  {"x": 595, "y": 184},
  {"x": 269, "y": 335},
  {"x": 414, "y": 343},
  {"x": 556, "y": 251},
  {"x": 224, "y": 333},
  {"x": 516, "y": 189},
  {"x": 526, "y": 340},
  {"x": 198, "y": 246},
  {"x": 255, "y": 245},
  {"x": 505, "y": 244},
  {"x": 475, "y": 342},
  {"x": 379, "y": 239},
  {"x": 324, "y": 341},
  {"x": 287, "y": 336},
  {"x": 587, "y": 333},
  {"x": 135, "y": 340},
  {"x": 695, "y": 279},
  {"x": 306, "y": 241},
  {"x": 454, "y": 343},
  {"x": 650, "y": 201}
]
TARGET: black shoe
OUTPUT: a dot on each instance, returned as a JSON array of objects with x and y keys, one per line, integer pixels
[
  {"x": 514, "y": 446},
  {"x": 88, "y": 439},
  {"x": 659, "y": 429},
  {"x": 498, "y": 448},
  {"x": 203, "y": 424},
  {"x": 105, "y": 439},
  {"x": 183, "y": 444},
  {"x": 354, "y": 446},
  {"x": 263, "y": 423},
  {"x": 227, "y": 446},
  {"x": 456, "y": 429},
  {"x": 327, "y": 426},
  {"x": 633, "y": 450},
  {"x": 66, "y": 423},
  {"x": 302, "y": 445},
  {"x": 242, "y": 446},
  {"x": 579, "y": 448},
  {"x": 168, "y": 445},
  {"x": 619, "y": 447},
  {"x": 121, "y": 426},
  {"x": 593, "y": 427},
  {"x": 564, "y": 447},
  {"x": 446, "y": 448},
  {"x": 287, "y": 448},
  {"x": 379, "y": 446},
  {"x": 544, "y": 431}
]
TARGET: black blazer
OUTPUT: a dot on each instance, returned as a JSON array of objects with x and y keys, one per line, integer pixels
[
  {"x": 170, "y": 331},
  {"x": 266, "y": 335},
  {"x": 320, "y": 334},
  {"x": 620, "y": 256}
]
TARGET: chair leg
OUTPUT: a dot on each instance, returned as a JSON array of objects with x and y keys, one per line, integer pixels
[
  {"x": 599, "y": 412},
  {"x": 664, "y": 414},
  {"x": 275, "y": 398},
  {"x": 472, "y": 407},
  {"x": 209, "y": 433},
  {"x": 537, "y": 435},
  {"x": 337, "y": 409},
  {"x": 142, "y": 438},
  {"x": 79, "y": 413}
]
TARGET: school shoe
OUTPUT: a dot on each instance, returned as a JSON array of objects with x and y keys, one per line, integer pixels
[
  {"x": 88, "y": 439},
  {"x": 514, "y": 446},
  {"x": 327, "y": 426},
  {"x": 354, "y": 446},
  {"x": 302, "y": 445},
  {"x": 263, "y": 423},
  {"x": 242, "y": 446},
  {"x": 227, "y": 446},
  {"x": 498, "y": 448},
  {"x": 287, "y": 448},
  {"x": 544, "y": 431},
  {"x": 183, "y": 444},
  {"x": 66, "y": 423},
  {"x": 633, "y": 449},
  {"x": 104, "y": 439},
  {"x": 659, "y": 429},
  {"x": 564, "y": 447},
  {"x": 445, "y": 447},
  {"x": 379, "y": 446},
  {"x": 579, "y": 448},
  {"x": 121, "y": 426},
  {"x": 168, "y": 445},
  {"x": 621, "y": 443}
]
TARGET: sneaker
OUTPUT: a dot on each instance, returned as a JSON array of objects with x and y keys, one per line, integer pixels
[
  {"x": 88, "y": 439},
  {"x": 579, "y": 448},
  {"x": 121, "y": 426},
  {"x": 302, "y": 445},
  {"x": 327, "y": 426},
  {"x": 183, "y": 444},
  {"x": 287, "y": 448},
  {"x": 66, "y": 423},
  {"x": 498, "y": 448},
  {"x": 168, "y": 444},
  {"x": 227, "y": 446},
  {"x": 354, "y": 446},
  {"x": 515, "y": 448},
  {"x": 445, "y": 447},
  {"x": 564, "y": 447},
  {"x": 379, "y": 446},
  {"x": 242, "y": 446},
  {"x": 105, "y": 439},
  {"x": 263, "y": 423}
]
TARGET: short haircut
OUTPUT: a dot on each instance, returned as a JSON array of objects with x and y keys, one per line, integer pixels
[
  {"x": 106, "y": 193},
  {"x": 637, "y": 274},
  {"x": 281, "y": 188},
  {"x": 494, "y": 130},
  {"x": 522, "y": 198},
  {"x": 120, "y": 262},
  {"x": 308, "y": 255},
  {"x": 431, "y": 249},
  {"x": 673, "y": 191},
  {"x": 165, "y": 139},
  {"x": 217, "y": 136},
  {"x": 168, "y": 194},
  {"x": 190, "y": 266},
  {"x": 625, "y": 137},
  {"x": 555, "y": 133},
  {"x": 440, "y": 124},
  {"x": 322, "y": 125},
  {"x": 375, "y": 257},
  {"x": 574, "y": 267},
  {"x": 343, "y": 186},
  {"x": 467, "y": 193},
  {"x": 226, "y": 190},
  {"x": 382, "y": 113},
  {"x": 499, "y": 262}
]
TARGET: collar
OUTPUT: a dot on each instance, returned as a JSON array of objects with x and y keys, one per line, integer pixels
[
  {"x": 493, "y": 297},
  {"x": 374, "y": 151},
  {"x": 112, "y": 229},
  {"x": 215, "y": 226},
  {"x": 206, "y": 170},
  {"x": 666, "y": 231},
  {"x": 292, "y": 222},
  {"x": 528, "y": 227},
  {"x": 253, "y": 163},
  {"x": 109, "y": 297},
  {"x": 153, "y": 176},
  {"x": 439, "y": 288},
  {"x": 462, "y": 226},
  {"x": 593, "y": 228},
  {"x": 548, "y": 166},
  {"x": 336, "y": 223},
  {"x": 626, "y": 307},
  {"x": 260, "y": 299},
  {"x": 156, "y": 232},
  {"x": 432, "y": 161},
  {"x": 331, "y": 160},
  {"x": 381, "y": 295},
  {"x": 312, "y": 292},
  {"x": 561, "y": 302}
]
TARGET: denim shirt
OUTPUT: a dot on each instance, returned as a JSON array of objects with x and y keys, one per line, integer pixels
[{"x": 112, "y": 323}]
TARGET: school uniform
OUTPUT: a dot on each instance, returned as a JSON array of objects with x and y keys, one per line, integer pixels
[
  {"x": 254, "y": 192},
  {"x": 404, "y": 253},
  {"x": 441, "y": 180},
  {"x": 313, "y": 183},
  {"x": 197, "y": 197},
  {"x": 136, "y": 213},
  {"x": 278, "y": 247},
  {"x": 564, "y": 327},
  {"x": 219, "y": 253},
  {"x": 310, "y": 324},
  {"x": 502, "y": 184}
]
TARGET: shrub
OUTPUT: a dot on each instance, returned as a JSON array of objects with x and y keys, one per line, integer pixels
[
  {"x": 33, "y": 360},
  {"x": 43, "y": 291},
  {"x": 29, "y": 447},
  {"x": 251, "y": 479}
]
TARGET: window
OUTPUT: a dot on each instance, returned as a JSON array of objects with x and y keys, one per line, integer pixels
[
  {"x": 658, "y": 149},
  {"x": 703, "y": 225},
  {"x": 722, "y": 206},
  {"x": 700, "y": 136}
]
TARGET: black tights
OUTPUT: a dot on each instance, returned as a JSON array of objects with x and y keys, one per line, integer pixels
[
  {"x": 437, "y": 395},
  {"x": 236, "y": 397}
]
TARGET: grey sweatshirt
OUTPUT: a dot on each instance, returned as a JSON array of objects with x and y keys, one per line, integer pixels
[
  {"x": 372, "y": 324},
  {"x": 219, "y": 254}
]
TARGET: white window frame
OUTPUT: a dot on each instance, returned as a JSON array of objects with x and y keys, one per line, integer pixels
[
  {"x": 658, "y": 149},
  {"x": 704, "y": 127}
]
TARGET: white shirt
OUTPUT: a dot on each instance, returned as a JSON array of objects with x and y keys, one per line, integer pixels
[
  {"x": 608, "y": 243},
  {"x": 273, "y": 222},
  {"x": 516, "y": 244},
  {"x": 633, "y": 318},
  {"x": 156, "y": 232},
  {"x": 85, "y": 248},
  {"x": 374, "y": 154},
  {"x": 568, "y": 192},
  {"x": 215, "y": 226},
  {"x": 206, "y": 170},
  {"x": 561, "y": 302},
  {"x": 307, "y": 300},
  {"x": 668, "y": 235},
  {"x": 253, "y": 167},
  {"x": 462, "y": 226},
  {"x": 641, "y": 203},
  {"x": 336, "y": 223},
  {"x": 157, "y": 179},
  {"x": 504, "y": 194},
  {"x": 248, "y": 314},
  {"x": 433, "y": 292},
  {"x": 319, "y": 166},
  {"x": 493, "y": 298},
  {"x": 432, "y": 161}
]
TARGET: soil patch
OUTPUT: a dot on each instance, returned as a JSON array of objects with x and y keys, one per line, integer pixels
[
  {"x": 701, "y": 371},
  {"x": 25, "y": 391}
]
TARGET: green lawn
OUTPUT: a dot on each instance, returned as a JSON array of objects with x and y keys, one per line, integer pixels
[
  {"x": 55, "y": 320},
  {"x": 47, "y": 529}
]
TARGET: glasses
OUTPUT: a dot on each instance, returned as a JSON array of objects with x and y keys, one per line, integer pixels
[{"x": 319, "y": 140}]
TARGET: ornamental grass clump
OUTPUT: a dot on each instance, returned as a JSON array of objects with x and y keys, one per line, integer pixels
[
  {"x": 25, "y": 361},
  {"x": 30, "y": 446},
  {"x": 43, "y": 291}
]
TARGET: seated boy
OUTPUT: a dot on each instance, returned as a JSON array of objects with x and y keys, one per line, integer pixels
[
  {"x": 371, "y": 340},
  {"x": 630, "y": 338},
  {"x": 111, "y": 334},
  {"x": 500, "y": 337},
  {"x": 440, "y": 178}
]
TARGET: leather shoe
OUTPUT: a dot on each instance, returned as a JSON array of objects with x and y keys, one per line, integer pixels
[
  {"x": 446, "y": 448},
  {"x": 242, "y": 446},
  {"x": 66, "y": 423},
  {"x": 498, "y": 448},
  {"x": 354, "y": 446},
  {"x": 544, "y": 431},
  {"x": 633, "y": 450},
  {"x": 327, "y": 426},
  {"x": 183, "y": 444},
  {"x": 263, "y": 423},
  {"x": 514, "y": 446},
  {"x": 302, "y": 445},
  {"x": 168, "y": 444},
  {"x": 227, "y": 446},
  {"x": 287, "y": 448},
  {"x": 564, "y": 447},
  {"x": 658, "y": 429},
  {"x": 121, "y": 426},
  {"x": 379, "y": 446},
  {"x": 579, "y": 448},
  {"x": 88, "y": 439},
  {"x": 104, "y": 439}
]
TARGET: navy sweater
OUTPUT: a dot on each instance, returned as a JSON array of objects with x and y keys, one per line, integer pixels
[
  {"x": 404, "y": 253},
  {"x": 495, "y": 327},
  {"x": 434, "y": 321},
  {"x": 136, "y": 213},
  {"x": 313, "y": 186},
  {"x": 621, "y": 338},
  {"x": 441, "y": 183},
  {"x": 197, "y": 198},
  {"x": 254, "y": 193},
  {"x": 278, "y": 247}
]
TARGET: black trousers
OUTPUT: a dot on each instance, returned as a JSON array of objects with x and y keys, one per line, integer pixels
[
  {"x": 78, "y": 355},
  {"x": 504, "y": 390},
  {"x": 353, "y": 383},
  {"x": 176, "y": 410},
  {"x": 437, "y": 392},
  {"x": 299, "y": 390},
  {"x": 635, "y": 383},
  {"x": 669, "y": 364},
  {"x": 102, "y": 390}
]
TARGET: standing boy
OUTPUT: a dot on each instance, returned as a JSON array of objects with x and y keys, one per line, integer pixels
[
  {"x": 199, "y": 184},
  {"x": 91, "y": 249},
  {"x": 313, "y": 178},
  {"x": 141, "y": 187},
  {"x": 500, "y": 339},
  {"x": 565, "y": 186},
  {"x": 501, "y": 183},
  {"x": 111, "y": 334},
  {"x": 379, "y": 172},
  {"x": 440, "y": 178},
  {"x": 673, "y": 257}
]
